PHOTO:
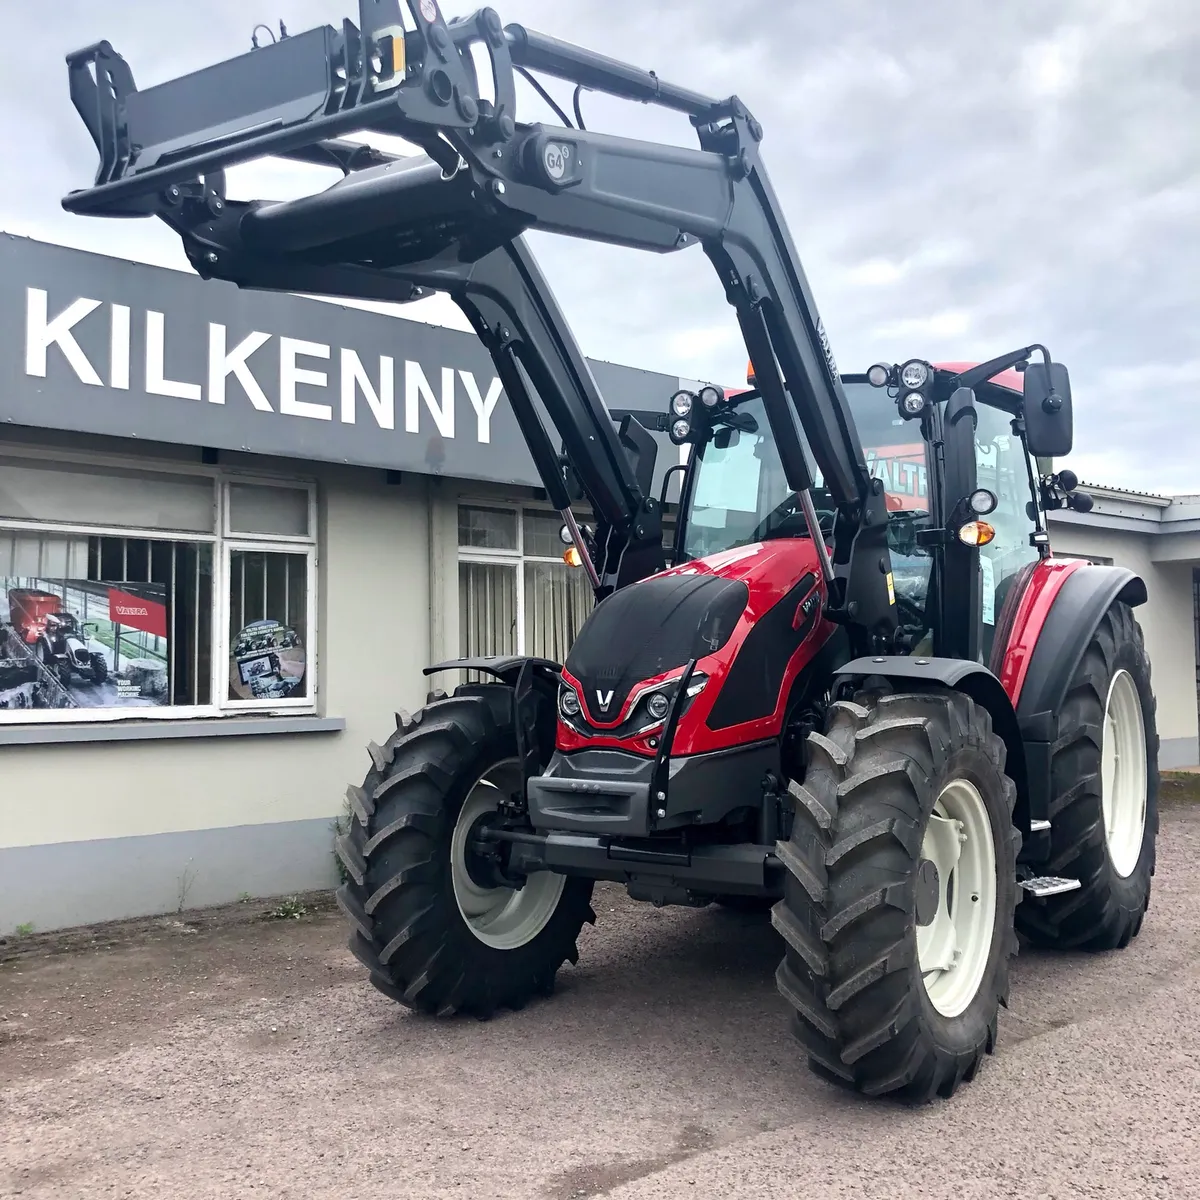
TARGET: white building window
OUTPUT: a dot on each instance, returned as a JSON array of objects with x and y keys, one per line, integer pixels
[
  {"x": 269, "y": 567},
  {"x": 134, "y": 593},
  {"x": 181, "y": 576},
  {"x": 516, "y": 595}
]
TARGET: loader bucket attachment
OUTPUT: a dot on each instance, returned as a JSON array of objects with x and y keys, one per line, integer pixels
[{"x": 279, "y": 99}]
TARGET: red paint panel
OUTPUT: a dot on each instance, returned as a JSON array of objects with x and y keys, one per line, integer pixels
[
  {"x": 136, "y": 613},
  {"x": 770, "y": 570},
  {"x": 1044, "y": 585}
]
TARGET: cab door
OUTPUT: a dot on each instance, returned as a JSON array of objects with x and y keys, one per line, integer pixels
[
  {"x": 1006, "y": 563},
  {"x": 981, "y": 585}
]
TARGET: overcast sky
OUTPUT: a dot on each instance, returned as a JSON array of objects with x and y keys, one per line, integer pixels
[{"x": 962, "y": 177}]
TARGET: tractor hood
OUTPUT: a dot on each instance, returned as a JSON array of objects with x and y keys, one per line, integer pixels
[
  {"x": 647, "y": 629},
  {"x": 658, "y": 624}
]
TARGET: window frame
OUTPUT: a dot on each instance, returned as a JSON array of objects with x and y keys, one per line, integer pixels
[
  {"x": 222, "y": 543},
  {"x": 516, "y": 559},
  {"x": 228, "y": 533},
  {"x": 307, "y": 702}
]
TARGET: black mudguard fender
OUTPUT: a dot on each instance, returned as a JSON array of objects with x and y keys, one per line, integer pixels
[
  {"x": 971, "y": 678},
  {"x": 534, "y": 683},
  {"x": 1083, "y": 599},
  {"x": 1027, "y": 729}
]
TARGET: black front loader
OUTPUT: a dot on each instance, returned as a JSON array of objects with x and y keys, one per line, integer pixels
[{"x": 452, "y": 220}]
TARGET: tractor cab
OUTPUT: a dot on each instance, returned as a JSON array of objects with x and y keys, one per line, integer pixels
[
  {"x": 63, "y": 625},
  {"x": 735, "y": 493}
]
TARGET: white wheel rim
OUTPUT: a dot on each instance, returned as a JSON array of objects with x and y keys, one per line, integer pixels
[
  {"x": 503, "y": 918},
  {"x": 954, "y": 947},
  {"x": 1123, "y": 774}
]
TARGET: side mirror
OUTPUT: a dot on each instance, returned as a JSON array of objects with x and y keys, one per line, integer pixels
[{"x": 1049, "y": 429}]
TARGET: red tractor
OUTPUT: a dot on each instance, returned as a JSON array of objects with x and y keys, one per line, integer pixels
[
  {"x": 860, "y": 693},
  {"x": 60, "y": 640}
]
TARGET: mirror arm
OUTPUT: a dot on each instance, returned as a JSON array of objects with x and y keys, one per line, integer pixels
[
  {"x": 974, "y": 376},
  {"x": 1039, "y": 537}
]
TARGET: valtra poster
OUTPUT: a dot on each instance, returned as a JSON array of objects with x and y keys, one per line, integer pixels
[{"x": 78, "y": 643}]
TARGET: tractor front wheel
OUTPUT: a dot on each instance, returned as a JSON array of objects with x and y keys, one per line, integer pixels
[
  {"x": 435, "y": 927},
  {"x": 899, "y": 894}
]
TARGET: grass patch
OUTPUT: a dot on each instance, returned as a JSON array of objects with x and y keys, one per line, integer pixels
[
  {"x": 338, "y": 827},
  {"x": 291, "y": 909}
]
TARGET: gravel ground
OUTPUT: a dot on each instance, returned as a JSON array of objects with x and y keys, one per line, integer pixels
[{"x": 228, "y": 1056}]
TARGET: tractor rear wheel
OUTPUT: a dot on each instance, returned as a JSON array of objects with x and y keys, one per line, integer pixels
[
  {"x": 899, "y": 894},
  {"x": 435, "y": 929},
  {"x": 1104, "y": 797}
]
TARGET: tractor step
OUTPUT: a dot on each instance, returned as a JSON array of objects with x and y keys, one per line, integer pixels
[{"x": 1049, "y": 885}]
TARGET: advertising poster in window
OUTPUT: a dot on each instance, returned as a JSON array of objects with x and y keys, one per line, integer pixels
[
  {"x": 268, "y": 662},
  {"x": 903, "y": 471},
  {"x": 77, "y": 643}
]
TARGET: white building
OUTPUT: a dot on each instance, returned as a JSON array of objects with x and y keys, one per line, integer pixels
[{"x": 355, "y": 482}]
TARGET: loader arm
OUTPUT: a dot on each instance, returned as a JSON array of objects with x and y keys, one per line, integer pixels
[{"x": 453, "y": 221}]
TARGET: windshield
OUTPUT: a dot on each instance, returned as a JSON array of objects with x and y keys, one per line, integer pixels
[{"x": 740, "y": 495}]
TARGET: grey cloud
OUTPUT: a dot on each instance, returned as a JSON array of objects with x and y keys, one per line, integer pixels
[{"x": 961, "y": 177}]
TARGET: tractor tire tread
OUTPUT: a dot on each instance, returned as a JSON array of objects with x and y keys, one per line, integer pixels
[
  {"x": 1105, "y": 912},
  {"x": 405, "y": 925},
  {"x": 846, "y": 918}
]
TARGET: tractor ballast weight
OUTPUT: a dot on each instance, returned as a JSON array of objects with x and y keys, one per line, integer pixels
[{"x": 767, "y": 715}]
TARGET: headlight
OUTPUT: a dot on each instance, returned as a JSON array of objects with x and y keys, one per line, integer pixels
[
  {"x": 711, "y": 396},
  {"x": 914, "y": 404},
  {"x": 914, "y": 374},
  {"x": 657, "y": 706},
  {"x": 879, "y": 374},
  {"x": 982, "y": 502},
  {"x": 680, "y": 430},
  {"x": 681, "y": 403},
  {"x": 568, "y": 702}
]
